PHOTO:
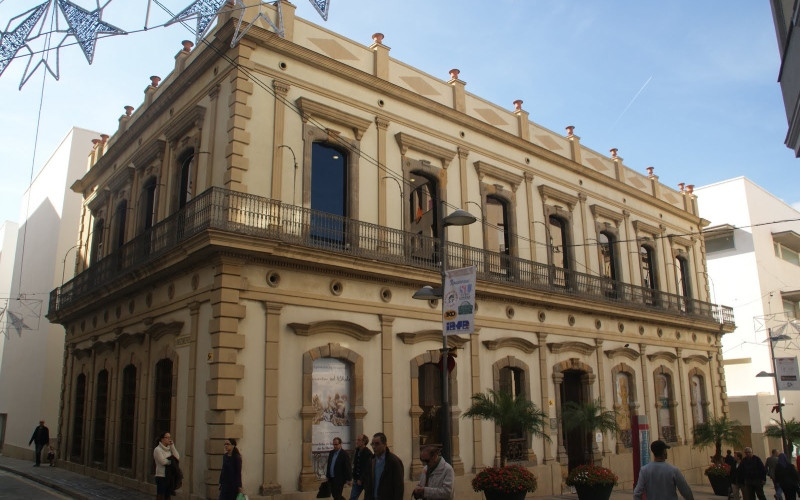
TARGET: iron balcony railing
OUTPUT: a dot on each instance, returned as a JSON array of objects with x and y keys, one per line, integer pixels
[{"x": 255, "y": 216}]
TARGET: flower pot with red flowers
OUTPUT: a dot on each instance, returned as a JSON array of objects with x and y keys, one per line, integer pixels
[
  {"x": 504, "y": 483},
  {"x": 719, "y": 475},
  {"x": 592, "y": 482}
]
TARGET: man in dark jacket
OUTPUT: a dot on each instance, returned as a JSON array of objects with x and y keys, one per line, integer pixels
[
  {"x": 40, "y": 438},
  {"x": 361, "y": 464},
  {"x": 338, "y": 469},
  {"x": 385, "y": 478},
  {"x": 755, "y": 475}
]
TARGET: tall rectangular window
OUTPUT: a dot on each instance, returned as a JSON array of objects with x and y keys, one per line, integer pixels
[
  {"x": 100, "y": 415},
  {"x": 162, "y": 406},
  {"x": 78, "y": 415},
  {"x": 127, "y": 417},
  {"x": 328, "y": 193}
]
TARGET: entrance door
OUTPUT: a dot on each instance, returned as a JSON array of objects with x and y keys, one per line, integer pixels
[{"x": 575, "y": 441}]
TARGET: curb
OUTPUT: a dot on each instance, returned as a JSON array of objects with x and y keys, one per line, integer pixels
[{"x": 45, "y": 481}]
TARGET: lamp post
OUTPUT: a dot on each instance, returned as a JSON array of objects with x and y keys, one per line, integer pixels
[
  {"x": 457, "y": 218},
  {"x": 64, "y": 262},
  {"x": 774, "y": 375}
]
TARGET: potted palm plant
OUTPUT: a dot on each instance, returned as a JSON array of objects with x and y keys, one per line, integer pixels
[
  {"x": 508, "y": 412},
  {"x": 792, "y": 428},
  {"x": 716, "y": 431},
  {"x": 590, "y": 481}
]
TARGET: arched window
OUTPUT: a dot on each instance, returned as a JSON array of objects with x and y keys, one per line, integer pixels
[
  {"x": 97, "y": 241},
  {"x": 120, "y": 219},
  {"x": 649, "y": 278},
  {"x": 665, "y": 404},
  {"x": 623, "y": 404},
  {"x": 430, "y": 401},
  {"x": 162, "y": 406},
  {"x": 559, "y": 250},
  {"x": 329, "y": 193},
  {"x": 332, "y": 389},
  {"x": 100, "y": 415},
  {"x": 699, "y": 402},
  {"x": 78, "y": 416},
  {"x": 186, "y": 162},
  {"x": 512, "y": 381},
  {"x": 127, "y": 425},
  {"x": 498, "y": 227}
]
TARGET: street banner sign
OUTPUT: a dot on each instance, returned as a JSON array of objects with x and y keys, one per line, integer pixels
[
  {"x": 786, "y": 374},
  {"x": 458, "y": 309}
]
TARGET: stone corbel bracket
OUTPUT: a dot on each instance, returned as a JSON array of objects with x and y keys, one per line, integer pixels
[
  {"x": 521, "y": 344},
  {"x": 358, "y": 332},
  {"x": 579, "y": 347}
]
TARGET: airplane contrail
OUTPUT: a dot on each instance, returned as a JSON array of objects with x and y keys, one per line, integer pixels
[{"x": 631, "y": 102}]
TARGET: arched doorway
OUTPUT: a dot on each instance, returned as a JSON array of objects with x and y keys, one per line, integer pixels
[{"x": 573, "y": 380}]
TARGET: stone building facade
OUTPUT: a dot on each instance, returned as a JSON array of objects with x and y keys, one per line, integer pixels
[{"x": 254, "y": 233}]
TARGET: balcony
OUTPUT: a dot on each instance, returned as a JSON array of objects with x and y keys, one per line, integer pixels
[{"x": 253, "y": 216}]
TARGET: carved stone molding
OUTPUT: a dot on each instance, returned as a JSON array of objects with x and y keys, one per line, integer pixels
[
  {"x": 643, "y": 227},
  {"x": 623, "y": 351},
  {"x": 485, "y": 169},
  {"x": 550, "y": 194},
  {"x": 407, "y": 142},
  {"x": 512, "y": 342},
  {"x": 579, "y": 347},
  {"x": 358, "y": 332},
  {"x": 410, "y": 338},
  {"x": 127, "y": 339},
  {"x": 600, "y": 211},
  {"x": 662, "y": 355},
  {"x": 192, "y": 118},
  {"x": 158, "y": 330},
  {"x": 679, "y": 240}
]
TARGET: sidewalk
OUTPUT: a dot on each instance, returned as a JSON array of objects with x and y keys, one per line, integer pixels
[
  {"x": 83, "y": 487},
  {"x": 69, "y": 483}
]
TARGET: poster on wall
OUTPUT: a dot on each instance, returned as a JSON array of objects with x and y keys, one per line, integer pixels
[
  {"x": 787, "y": 374},
  {"x": 330, "y": 389}
]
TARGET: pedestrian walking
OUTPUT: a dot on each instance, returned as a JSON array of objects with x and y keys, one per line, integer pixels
[
  {"x": 659, "y": 480},
  {"x": 338, "y": 469},
  {"x": 770, "y": 463},
  {"x": 230, "y": 477},
  {"x": 436, "y": 480},
  {"x": 40, "y": 439},
  {"x": 755, "y": 476},
  {"x": 164, "y": 453},
  {"x": 737, "y": 478},
  {"x": 385, "y": 479},
  {"x": 361, "y": 461},
  {"x": 786, "y": 475}
]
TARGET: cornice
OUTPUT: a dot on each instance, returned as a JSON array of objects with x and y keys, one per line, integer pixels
[
  {"x": 406, "y": 142},
  {"x": 579, "y": 347},
  {"x": 623, "y": 351},
  {"x": 679, "y": 240},
  {"x": 551, "y": 193},
  {"x": 410, "y": 338},
  {"x": 643, "y": 227},
  {"x": 190, "y": 118},
  {"x": 696, "y": 358},
  {"x": 484, "y": 169},
  {"x": 601, "y": 211},
  {"x": 309, "y": 108},
  {"x": 662, "y": 355},
  {"x": 358, "y": 332},
  {"x": 521, "y": 344}
]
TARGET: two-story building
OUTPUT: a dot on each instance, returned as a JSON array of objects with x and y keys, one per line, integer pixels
[{"x": 253, "y": 234}]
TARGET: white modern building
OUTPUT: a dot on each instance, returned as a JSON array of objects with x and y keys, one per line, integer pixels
[
  {"x": 752, "y": 249},
  {"x": 35, "y": 254}
]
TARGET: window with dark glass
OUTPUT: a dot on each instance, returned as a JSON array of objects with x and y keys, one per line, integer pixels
[
  {"x": 559, "y": 250},
  {"x": 97, "y": 241},
  {"x": 78, "y": 415},
  {"x": 186, "y": 177},
  {"x": 666, "y": 407},
  {"x": 608, "y": 262},
  {"x": 148, "y": 204},
  {"x": 647, "y": 265},
  {"x": 423, "y": 216},
  {"x": 328, "y": 192},
  {"x": 127, "y": 420},
  {"x": 498, "y": 232},
  {"x": 162, "y": 406},
  {"x": 100, "y": 415},
  {"x": 684, "y": 286},
  {"x": 698, "y": 399}
]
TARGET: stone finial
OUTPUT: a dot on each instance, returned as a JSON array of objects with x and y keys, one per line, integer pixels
[
  {"x": 454, "y": 73},
  {"x": 104, "y": 137},
  {"x": 128, "y": 110},
  {"x": 154, "y": 80},
  {"x": 96, "y": 142},
  {"x": 690, "y": 188},
  {"x": 681, "y": 185},
  {"x": 187, "y": 45},
  {"x": 650, "y": 171},
  {"x": 570, "y": 130},
  {"x": 377, "y": 38},
  {"x": 613, "y": 152},
  {"x": 518, "y": 105}
]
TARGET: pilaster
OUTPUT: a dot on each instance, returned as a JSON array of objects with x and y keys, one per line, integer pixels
[
  {"x": 269, "y": 482},
  {"x": 281, "y": 89}
]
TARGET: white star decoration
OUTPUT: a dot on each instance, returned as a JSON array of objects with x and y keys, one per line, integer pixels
[
  {"x": 205, "y": 10},
  {"x": 86, "y": 25}
]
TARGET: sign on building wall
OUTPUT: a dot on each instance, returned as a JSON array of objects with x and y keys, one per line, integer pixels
[
  {"x": 787, "y": 374},
  {"x": 458, "y": 313},
  {"x": 330, "y": 389}
]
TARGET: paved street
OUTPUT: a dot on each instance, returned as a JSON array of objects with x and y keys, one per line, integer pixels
[{"x": 15, "y": 486}]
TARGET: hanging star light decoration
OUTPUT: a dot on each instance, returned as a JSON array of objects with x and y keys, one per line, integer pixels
[
  {"x": 12, "y": 41},
  {"x": 205, "y": 11},
  {"x": 277, "y": 26},
  {"x": 322, "y": 7},
  {"x": 85, "y": 26}
]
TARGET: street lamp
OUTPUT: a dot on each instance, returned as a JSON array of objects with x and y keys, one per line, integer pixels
[
  {"x": 774, "y": 375},
  {"x": 294, "y": 179},
  {"x": 457, "y": 218}
]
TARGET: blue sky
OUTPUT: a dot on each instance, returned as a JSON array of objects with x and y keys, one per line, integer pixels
[{"x": 689, "y": 87}]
